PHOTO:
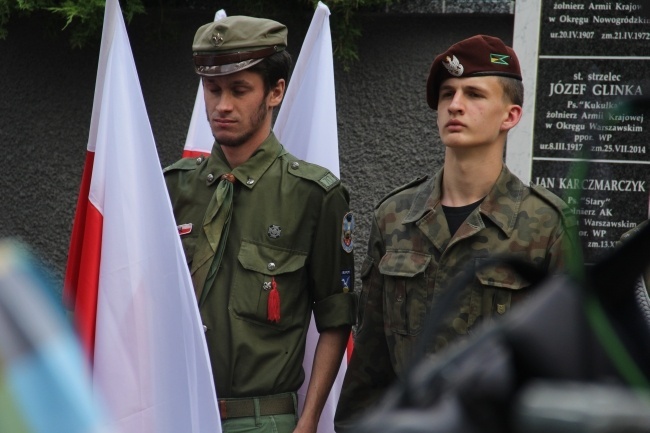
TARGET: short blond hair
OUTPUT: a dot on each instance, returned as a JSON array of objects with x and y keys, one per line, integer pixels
[{"x": 513, "y": 90}]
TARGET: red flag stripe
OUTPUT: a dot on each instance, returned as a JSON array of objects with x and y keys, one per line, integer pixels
[
  {"x": 86, "y": 300},
  {"x": 188, "y": 153},
  {"x": 71, "y": 281},
  {"x": 348, "y": 352},
  {"x": 82, "y": 272}
]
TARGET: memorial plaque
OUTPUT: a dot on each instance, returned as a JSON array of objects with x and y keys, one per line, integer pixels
[{"x": 588, "y": 130}]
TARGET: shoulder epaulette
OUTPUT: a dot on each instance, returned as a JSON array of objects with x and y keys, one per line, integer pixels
[
  {"x": 185, "y": 164},
  {"x": 313, "y": 172},
  {"x": 414, "y": 182},
  {"x": 557, "y": 203}
]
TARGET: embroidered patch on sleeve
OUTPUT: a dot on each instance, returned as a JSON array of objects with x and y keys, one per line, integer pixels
[
  {"x": 347, "y": 241},
  {"x": 346, "y": 276}
]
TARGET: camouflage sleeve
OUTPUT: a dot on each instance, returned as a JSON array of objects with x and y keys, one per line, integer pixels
[
  {"x": 565, "y": 252},
  {"x": 631, "y": 233},
  {"x": 565, "y": 249},
  {"x": 370, "y": 371}
]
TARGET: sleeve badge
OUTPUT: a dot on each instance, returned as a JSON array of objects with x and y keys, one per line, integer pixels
[
  {"x": 347, "y": 240},
  {"x": 346, "y": 280}
]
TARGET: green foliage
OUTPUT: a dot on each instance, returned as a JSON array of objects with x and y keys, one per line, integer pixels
[
  {"x": 82, "y": 20},
  {"x": 345, "y": 28}
]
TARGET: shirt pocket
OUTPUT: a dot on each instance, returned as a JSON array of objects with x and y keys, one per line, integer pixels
[
  {"x": 261, "y": 265},
  {"x": 406, "y": 291},
  {"x": 499, "y": 286}
]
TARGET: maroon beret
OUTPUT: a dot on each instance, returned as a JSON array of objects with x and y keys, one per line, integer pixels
[{"x": 477, "y": 56}]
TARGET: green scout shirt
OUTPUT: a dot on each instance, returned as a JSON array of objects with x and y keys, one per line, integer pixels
[
  {"x": 413, "y": 259},
  {"x": 287, "y": 224}
]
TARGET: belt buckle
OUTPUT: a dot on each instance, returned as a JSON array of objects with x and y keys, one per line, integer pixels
[{"x": 223, "y": 411}]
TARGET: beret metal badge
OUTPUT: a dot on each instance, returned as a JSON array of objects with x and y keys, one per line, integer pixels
[
  {"x": 274, "y": 231},
  {"x": 217, "y": 39},
  {"x": 453, "y": 66}
]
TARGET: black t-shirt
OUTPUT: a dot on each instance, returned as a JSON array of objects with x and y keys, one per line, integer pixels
[{"x": 457, "y": 215}]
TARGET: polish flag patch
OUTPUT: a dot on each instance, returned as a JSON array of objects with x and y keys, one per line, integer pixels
[{"x": 184, "y": 229}]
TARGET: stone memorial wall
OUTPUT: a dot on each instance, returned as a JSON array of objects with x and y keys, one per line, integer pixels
[{"x": 587, "y": 135}]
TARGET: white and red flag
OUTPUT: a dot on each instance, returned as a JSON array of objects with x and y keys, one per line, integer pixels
[
  {"x": 127, "y": 279},
  {"x": 199, "y": 138},
  {"x": 306, "y": 125}
]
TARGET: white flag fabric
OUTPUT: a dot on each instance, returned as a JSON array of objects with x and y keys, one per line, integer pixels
[
  {"x": 306, "y": 126},
  {"x": 306, "y": 122},
  {"x": 127, "y": 278},
  {"x": 199, "y": 135}
]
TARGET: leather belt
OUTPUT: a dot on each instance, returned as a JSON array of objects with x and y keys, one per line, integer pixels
[{"x": 244, "y": 407}]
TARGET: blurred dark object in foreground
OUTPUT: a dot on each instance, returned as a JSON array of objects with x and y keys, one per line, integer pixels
[
  {"x": 574, "y": 358},
  {"x": 573, "y": 407}
]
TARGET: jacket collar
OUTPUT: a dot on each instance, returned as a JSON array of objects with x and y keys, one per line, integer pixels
[
  {"x": 503, "y": 202},
  {"x": 250, "y": 172},
  {"x": 508, "y": 190}
]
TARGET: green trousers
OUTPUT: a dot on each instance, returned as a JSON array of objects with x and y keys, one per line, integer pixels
[{"x": 261, "y": 424}]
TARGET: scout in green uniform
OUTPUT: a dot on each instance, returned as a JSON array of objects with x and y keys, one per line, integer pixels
[
  {"x": 267, "y": 237},
  {"x": 426, "y": 233}
]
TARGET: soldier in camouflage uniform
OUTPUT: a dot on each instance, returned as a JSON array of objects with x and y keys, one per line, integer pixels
[
  {"x": 642, "y": 289},
  {"x": 267, "y": 238},
  {"x": 427, "y": 232}
]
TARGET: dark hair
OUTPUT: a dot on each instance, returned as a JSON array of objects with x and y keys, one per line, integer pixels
[
  {"x": 273, "y": 68},
  {"x": 513, "y": 89}
]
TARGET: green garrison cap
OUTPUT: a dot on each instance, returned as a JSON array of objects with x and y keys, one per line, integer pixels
[{"x": 235, "y": 43}]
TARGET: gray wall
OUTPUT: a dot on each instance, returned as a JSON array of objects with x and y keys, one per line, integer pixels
[{"x": 387, "y": 133}]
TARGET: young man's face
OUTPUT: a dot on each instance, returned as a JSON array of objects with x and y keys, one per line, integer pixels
[
  {"x": 473, "y": 111},
  {"x": 238, "y": 109}
]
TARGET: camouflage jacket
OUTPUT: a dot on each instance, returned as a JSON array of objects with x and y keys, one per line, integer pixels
[
  {"x": 412, "y": 260},
  {"x": 643, "y": 290}
]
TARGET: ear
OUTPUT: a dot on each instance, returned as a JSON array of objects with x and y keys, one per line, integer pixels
[
  {"x": 276, "y": 94},
  {"x": 513, "y": 115}
]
